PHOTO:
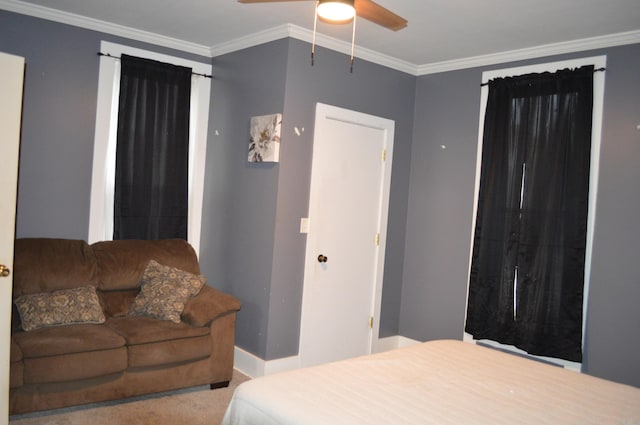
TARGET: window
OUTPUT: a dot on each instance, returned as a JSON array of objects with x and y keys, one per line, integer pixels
[
  {"x": 102, "y": 185},
  {"x": 511, "y": 272}
]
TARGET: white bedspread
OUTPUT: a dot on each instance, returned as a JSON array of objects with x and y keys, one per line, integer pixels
[{"x": 438, "y": 382}]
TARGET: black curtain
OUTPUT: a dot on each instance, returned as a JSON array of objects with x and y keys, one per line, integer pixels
[
  {"x": 152, "y": 155},
  {"x": 527, "y": 271}
]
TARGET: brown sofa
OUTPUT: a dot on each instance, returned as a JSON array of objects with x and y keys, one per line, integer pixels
[{"x": 121, "y": 355}]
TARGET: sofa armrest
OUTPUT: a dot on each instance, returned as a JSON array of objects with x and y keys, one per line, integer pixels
[{"x": 208, "y": 305}]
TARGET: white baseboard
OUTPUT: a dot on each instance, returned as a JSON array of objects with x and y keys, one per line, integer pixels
[
  {"x": 393, "y": 342},
  {"x": 253, "y": 366},
  {"x": 405, "y": 342},
  {"x": 247, "y": 363},
  {"x": 281, "y": 365}
]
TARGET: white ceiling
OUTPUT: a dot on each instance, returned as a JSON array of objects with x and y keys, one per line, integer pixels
[{"x": 442, "y": 34}]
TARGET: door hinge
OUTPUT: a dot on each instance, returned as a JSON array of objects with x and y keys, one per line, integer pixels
[
  {"x": 377, "y": 239},
  {"x": 384, "y": 154},
  {"x": 371, "y": 322}
]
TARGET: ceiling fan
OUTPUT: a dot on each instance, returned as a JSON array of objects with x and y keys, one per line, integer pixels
[{"x": 366, "y": 9}]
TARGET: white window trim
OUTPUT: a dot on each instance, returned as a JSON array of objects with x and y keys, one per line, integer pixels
[
  {"x": 104, "y": 153},
  {"x": 596, "y": 131}
]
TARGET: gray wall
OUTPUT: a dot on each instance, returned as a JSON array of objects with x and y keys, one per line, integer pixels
[
  {"x": 441, "y": 204},
  {"x": 614, "y": 317},
  {"x": 371, "y": 89},
  {"x": 263, "y": 250},
  {"x": 241, "y": 198},
  {"x": 250, "y": 241},
  {"x": 58, "y": 121}
]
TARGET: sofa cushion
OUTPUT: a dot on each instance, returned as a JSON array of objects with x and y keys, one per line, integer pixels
[
  {"x": 16, "y": 366},
  {"x": 154, "y": 342},
  {"x": 15, "y": 354},
  {"x": 66, "y": 353},
  {"x": 164, "y": 291},
  {"x": 62, "y": 307},
  {"x": 169, "y": 352},
  {"x": 145, "y": 330},
  {"x": 117, "y": 303},
  {"x": 121, "y": 263},
  {"x": 45, "y": 265},
  {"x": 67, "y": 339},
  {"x": 16, "y": 374},
  {"x": 71, "y": 367}
]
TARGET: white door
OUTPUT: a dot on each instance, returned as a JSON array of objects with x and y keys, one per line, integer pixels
[
  {"x": 349, "y": 198},
  {"x": 11, "y": 79}
]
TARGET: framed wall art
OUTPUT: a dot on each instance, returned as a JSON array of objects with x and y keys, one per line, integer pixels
[{"x": 264, "y": 138}]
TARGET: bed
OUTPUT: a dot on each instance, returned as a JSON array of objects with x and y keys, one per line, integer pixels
[{"x": 439, "y": 382}]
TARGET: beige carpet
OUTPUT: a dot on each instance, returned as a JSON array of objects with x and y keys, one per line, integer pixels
[{"x": 192, "y": 406}]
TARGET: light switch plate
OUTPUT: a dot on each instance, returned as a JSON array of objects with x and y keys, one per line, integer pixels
[{"x": 304, "y": 225}]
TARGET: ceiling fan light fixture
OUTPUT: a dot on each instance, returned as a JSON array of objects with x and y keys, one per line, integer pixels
[{"x": 336, "y": 11}]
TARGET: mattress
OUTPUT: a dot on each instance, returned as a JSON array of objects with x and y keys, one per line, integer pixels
[{"x": 438, "y": 382}]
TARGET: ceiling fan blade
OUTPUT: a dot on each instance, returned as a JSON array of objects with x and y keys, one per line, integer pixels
[
  {"x": 375, "y": 13},
  {"x": 365, "y": 9},
  {"x": 265, "y": 1}
]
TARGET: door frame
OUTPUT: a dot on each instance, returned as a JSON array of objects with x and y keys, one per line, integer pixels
[
  {"x": 11, "y": 88},
  {"x": 329, "y": 112}
]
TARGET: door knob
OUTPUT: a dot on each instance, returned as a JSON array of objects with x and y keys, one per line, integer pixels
[
  {"x": 322, "y": 259},
  {"x": 4, "y": 270}
]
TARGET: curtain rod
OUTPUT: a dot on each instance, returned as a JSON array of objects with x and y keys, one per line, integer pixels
[
  {"x": 118, "y": 58},
  {"x": 595, "y": 70}
]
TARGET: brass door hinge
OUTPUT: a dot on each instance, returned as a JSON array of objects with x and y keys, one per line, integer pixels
[
  {"x": 384, "y": 154},
  {"x": 377, "y": 239},
  {"x": 371, "y": 322}
]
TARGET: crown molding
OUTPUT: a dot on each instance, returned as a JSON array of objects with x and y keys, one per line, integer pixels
[
  {"x": 331, "y": 43},
  {"x": 103, "y": 26},
  {"x": 276, "y": 33},
  {"x": 250, "y": 40},
  {"x": 611, "y": 40},
  {"x": 303, "y": 34}
]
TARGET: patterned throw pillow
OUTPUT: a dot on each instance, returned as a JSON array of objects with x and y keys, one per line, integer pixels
[
  {"x": 63, "y": 307},
  {"x": 164, "y": 291}
]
